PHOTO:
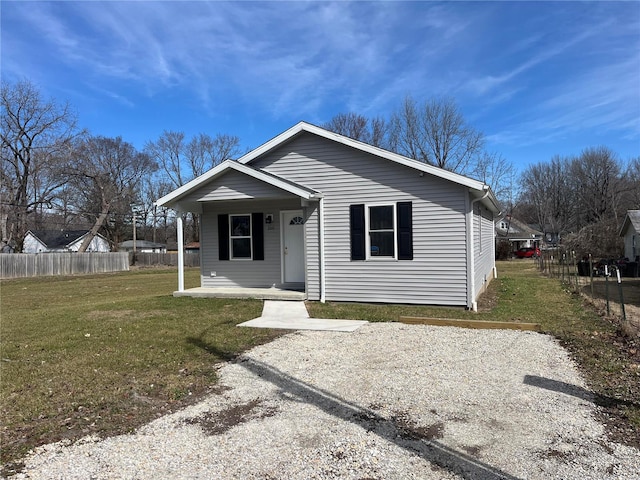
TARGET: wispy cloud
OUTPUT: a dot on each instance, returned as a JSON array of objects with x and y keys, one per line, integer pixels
[
  {"x": 603, "y": 99},
  {"x": 487, "y": 84},
  {"x": 530, "y": 72}
]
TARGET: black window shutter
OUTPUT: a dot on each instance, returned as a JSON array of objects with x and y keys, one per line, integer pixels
[
  {"x": 223, "y": 237},
  {"x": 405, "y": 231},
  {"x": 257, "y": 235},
  {"x": 356, "y": 216}
]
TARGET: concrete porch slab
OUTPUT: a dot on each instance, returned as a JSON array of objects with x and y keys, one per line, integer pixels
[
  {"x": 238, "y": 292},
  {"x": 294, "y": 316}
]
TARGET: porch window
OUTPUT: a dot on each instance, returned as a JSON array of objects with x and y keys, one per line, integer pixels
[{"x": 240, "y": 236}]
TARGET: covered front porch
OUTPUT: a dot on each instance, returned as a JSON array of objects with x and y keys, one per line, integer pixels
[
  {"x": 260, "y": 235},
  {"x": 272, "y": 293}
]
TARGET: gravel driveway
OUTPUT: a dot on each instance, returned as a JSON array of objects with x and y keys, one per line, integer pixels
[{"x": 389, "y": 401}]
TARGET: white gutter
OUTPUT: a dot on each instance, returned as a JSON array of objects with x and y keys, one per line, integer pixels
[
  {"x": 471, "y": 301},
  {"x": 322, "y": 257}
]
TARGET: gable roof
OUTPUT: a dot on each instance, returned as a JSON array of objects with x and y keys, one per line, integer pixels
[
  {"x": 517, "y": 230},
  {"x": 58, "y": 238},
  {"x": 481, "y": 189},
  {"x": 300, "y": 127},
  {"x": 632, "y": 218},
  {"x": 227, "y": 165}
]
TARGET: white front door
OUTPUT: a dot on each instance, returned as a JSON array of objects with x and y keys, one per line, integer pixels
[{"x": 292, "y": 247}]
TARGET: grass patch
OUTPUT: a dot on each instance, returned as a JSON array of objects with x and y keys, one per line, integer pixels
[
  {"x": 609, "y": 360},
  {"x": 104, "y": 354}
]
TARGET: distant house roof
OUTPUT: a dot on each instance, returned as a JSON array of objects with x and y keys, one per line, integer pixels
[
  {"x": 632, "y": 218},
  {"x": 516, "y": 230},
  {"x": 54, "y": 239},
  {"x": 192, "y": 246}
]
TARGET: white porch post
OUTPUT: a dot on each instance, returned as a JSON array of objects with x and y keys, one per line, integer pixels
[{"x": 180, "y": 253}]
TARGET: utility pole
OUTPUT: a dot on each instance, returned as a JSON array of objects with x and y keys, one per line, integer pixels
[
  {"x": 154, "y": 222},
  {"x": 134, "y": 230}
]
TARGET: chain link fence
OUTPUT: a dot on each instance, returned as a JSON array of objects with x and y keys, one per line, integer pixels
[{"x": 611, "y": 285}]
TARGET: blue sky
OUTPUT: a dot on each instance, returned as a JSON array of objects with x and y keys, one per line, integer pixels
[{"x": 538, "y": 79}]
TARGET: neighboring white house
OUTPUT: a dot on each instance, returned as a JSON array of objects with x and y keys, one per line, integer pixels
[
  {"x": 143, "y": 246},
  {"x": 342, "y": 221},
  {"x": 41, "y": 241},
  {"x": 517, "y": 233},
  {"x": 630, "y": 231}
]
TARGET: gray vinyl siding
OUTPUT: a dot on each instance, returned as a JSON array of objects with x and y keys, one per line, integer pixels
[
  {"x": 235, "y": 186},
  {"x": 312, "y": 252},
  {"x": 243, "y": 273},
  {"x": 483, "y": 248},
  {"x": 629, "y": 237},
  {"x": 345, "y": 176}
]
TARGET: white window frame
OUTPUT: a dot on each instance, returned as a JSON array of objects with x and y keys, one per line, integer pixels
[
  {"x": 367, "y": 214},
  {"x": 233, "y": 237}
]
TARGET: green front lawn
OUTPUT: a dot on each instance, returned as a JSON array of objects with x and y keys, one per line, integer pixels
[{"x": 104, "y": 354}]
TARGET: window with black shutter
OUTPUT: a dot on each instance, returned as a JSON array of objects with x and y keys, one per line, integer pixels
[
  {"x": 382, "y": 231},
  {"x": 241, "y": 236}
]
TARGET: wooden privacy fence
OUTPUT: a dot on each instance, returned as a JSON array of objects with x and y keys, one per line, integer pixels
[
  {"x": 171, "y": 259},
  {"x": 16, "y": 265}
]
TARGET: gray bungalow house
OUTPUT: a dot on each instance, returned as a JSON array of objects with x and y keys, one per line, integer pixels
[{"x": 341, "y": 220}]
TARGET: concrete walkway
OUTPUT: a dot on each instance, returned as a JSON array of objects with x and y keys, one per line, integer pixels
[{"x": 294, "y": 316}]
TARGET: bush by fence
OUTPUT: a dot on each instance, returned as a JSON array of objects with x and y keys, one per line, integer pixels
[
  {"x": 170, "y": 259},
  {"x": 18, "y": 265}
]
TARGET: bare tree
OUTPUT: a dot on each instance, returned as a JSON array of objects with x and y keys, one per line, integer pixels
[
  {"x": 631, "y": 185},
  {"x": 159, "y": 217},
  {"x": 497, "y": 172},
  {"x": 168, "y": 153},
  {"x": 203, "y": 152},
  {"x": 435, "y": 133},
  {"x": 548, "y": 189},
  {"x": 36, "y": 137},
  {"x": 181, "y": 161},
  {"x": 597, "y": 172},
  {"x": 372, "y": 131},
  {"x": 107, "y": 173}
]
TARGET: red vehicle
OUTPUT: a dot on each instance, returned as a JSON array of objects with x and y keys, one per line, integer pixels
[{"x": 528, "y": 252}]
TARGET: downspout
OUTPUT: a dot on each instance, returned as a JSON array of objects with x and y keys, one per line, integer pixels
[
  {"x": 493, "y": 245},
  {"x": 180, "y": 253},
  {"x": 322, "y": 258},
  {"x": 471, "y": 301}
]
